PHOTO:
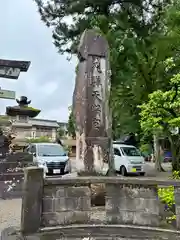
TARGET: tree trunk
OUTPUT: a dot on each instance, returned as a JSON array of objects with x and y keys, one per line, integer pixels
[
  {"x": 175, "y": 151},
  {"x": 175, "y": 164},
  {"x": 157, "y": 155}
]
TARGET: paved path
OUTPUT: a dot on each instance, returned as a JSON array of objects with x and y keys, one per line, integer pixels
[
  {"x": 10, "y": 213},
  {"x": 149, "y": 169},
  {"x": 151, "y": 172}
]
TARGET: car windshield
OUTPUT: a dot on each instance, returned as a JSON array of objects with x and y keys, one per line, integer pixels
[
  {"x": 131, "y": 151},
  {"x": 51, "y": 150}
]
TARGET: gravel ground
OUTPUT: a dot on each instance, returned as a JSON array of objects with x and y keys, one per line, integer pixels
[{"x": 10, "y": 213}]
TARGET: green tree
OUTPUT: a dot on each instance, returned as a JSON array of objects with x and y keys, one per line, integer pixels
[
  {"x": 138, "y": 47},
  {"x": 60, "y": 132},
  {"x": 71, "y": 125},
  {"x": 161, "y": 115},
  {"x": 116, "y": 15},
  {"x": 138, "y": 67}
]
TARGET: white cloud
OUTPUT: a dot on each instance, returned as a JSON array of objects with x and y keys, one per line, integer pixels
[
  {"x": 50, "y": 79},
  {"x": 62, "y": 112}
]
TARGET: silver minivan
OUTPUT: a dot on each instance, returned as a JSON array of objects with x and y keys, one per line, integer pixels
[{"x": 52, "y": 157}]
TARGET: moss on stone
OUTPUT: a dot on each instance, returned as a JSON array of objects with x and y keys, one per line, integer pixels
[{"x": 30, "y": 108}]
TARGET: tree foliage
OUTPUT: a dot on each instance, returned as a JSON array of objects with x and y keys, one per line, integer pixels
[
  {"x": 71, "y": 125},
  {"x": 141, "y": 35},
  {"x": 113, "y": 14},
  {"x": 60, "y": 132},
  {"x": 161, "y": 114},
  {"x": 139, "y": 70}
]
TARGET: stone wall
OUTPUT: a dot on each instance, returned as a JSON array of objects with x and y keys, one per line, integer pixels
[
  {"x": 65, "y": 205},
  {"x": 61, "y": 208},
  {"x": 132, "y": 204},
  {"x": 126, "y": 203}
]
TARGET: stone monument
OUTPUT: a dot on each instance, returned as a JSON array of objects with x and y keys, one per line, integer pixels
[{"x": 91, "y": 104}]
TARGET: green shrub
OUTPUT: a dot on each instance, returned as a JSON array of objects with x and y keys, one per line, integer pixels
[
  {"x": 176, "y": 175},
  {"x": 166, "y": 196}
]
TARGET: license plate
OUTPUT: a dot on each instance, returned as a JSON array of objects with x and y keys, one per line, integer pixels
[
  {"x": 133, "y": 170},
  {"x": 55, "y": 171}
]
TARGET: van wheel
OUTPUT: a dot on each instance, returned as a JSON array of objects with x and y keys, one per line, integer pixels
[
  {"x": 142, "y": 173},
  {"x": 123, "y": 171}
]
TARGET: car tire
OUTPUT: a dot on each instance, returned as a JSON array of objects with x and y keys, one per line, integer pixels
[
  {"x": 142, "y": 173},
  {"x": 123, "y": 171}
]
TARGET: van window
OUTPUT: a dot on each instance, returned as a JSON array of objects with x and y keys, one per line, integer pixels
[
  {"x": 50, "y": 150},
  {"x": 117, "y": 152},
  {"x": 130, "y": 151}
]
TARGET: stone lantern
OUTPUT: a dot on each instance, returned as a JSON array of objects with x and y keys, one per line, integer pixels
[
  {"x": 20, "y": 114},
  {"x": 22, "y": 111}
]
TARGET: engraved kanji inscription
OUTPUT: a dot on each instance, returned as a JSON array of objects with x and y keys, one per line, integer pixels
[
  {"x": 96, "y": 108},
  {"x": 97, "y": 64},
  {"x": 96, "y": 122},
  {"x": 95, "y": 81},
  {"x": 97, "y": 94}
]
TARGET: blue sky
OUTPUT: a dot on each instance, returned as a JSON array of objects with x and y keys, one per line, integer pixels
[{"x": 49, "y": 82}]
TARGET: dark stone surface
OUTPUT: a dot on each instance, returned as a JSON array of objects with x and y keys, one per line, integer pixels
[
  {"x": 95, "y": 232},
  {"x": 12, "y": 175},
  {"x": 115, "y": 232},
  {"x": 177, "y": 201},
  {"x": 59, "y": 206},
  {"x": 125, "y": 203},
  {"x": 8, "y": 190},
  {"x": 111, "y": 180},
  {"x": 65, "y": 205},
  {"x": 91, "y": 101},
  {"x": 32, "y": 200},
  {"x": 22, "y": 65},
  {"x": 15, "y": 163},
  {"x": 132, "y": 205},
  {"x": 8, "y": 67},
  {"x": 9, "y": 233},
  {"x": 68, "y": 201}
]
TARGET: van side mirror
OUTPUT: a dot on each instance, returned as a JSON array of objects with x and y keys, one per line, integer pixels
[{"x": 34, "y": 154}]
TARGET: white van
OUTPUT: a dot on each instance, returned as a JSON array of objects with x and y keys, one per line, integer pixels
[
  {"x": 51, "y": 157},
  {"x": 128, "y": 159}
]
